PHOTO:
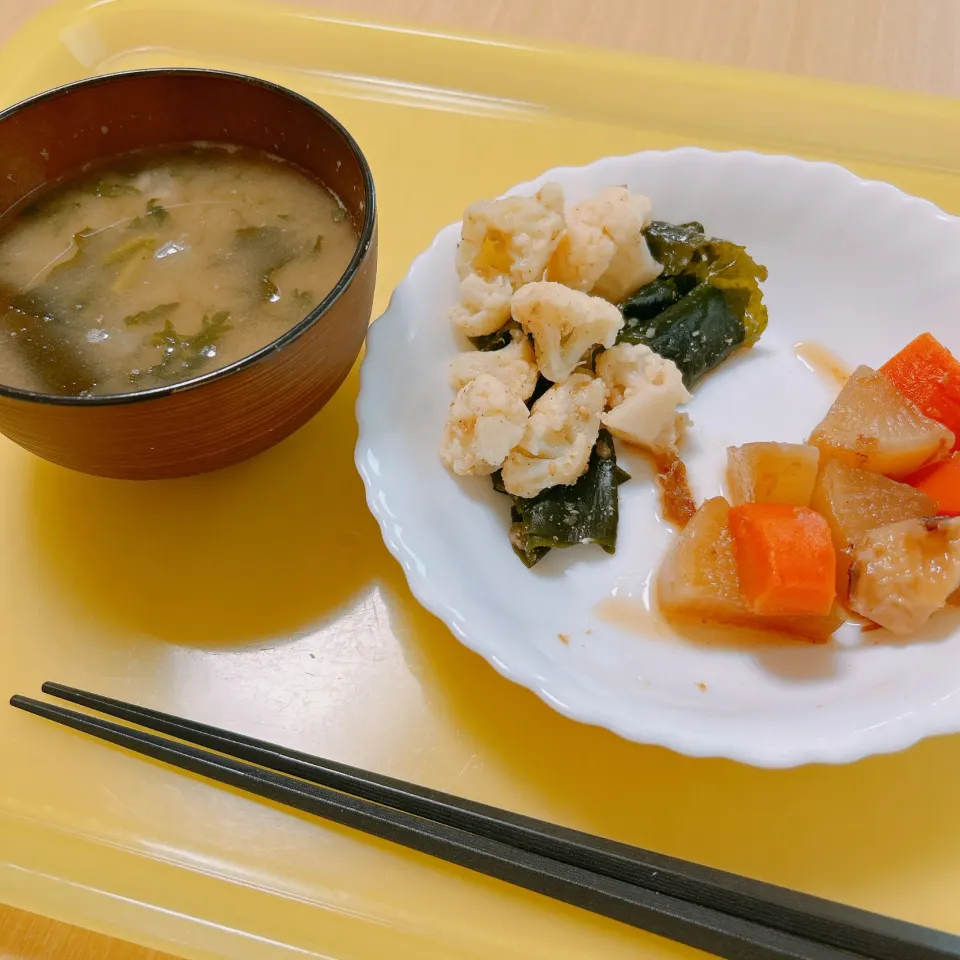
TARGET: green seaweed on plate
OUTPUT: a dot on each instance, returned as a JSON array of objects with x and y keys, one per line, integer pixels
[
  {"x": 563, "y": 516},
  {"x": 648, "y": 302},
  {"x": 692, "y": 257},
  {"x": 674, "y": 244},
  {"x": 499, "y": 338},
  {"x": 728, "y": 267},
  {"x": 697, "y": 333}
]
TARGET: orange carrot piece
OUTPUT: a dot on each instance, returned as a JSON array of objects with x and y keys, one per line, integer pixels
[
  {"x": 785, "y": 559},
  {"x": 941, "y": 481},
  {"x": 927, "y": 373}
]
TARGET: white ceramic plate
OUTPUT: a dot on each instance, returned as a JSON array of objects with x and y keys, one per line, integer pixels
[{"x": 856, "y": 266}]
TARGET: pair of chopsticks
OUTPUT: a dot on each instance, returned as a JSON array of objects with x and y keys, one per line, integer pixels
[{"x": 718, "y": 912}]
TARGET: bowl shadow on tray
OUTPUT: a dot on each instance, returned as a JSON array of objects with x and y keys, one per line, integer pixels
[
  {"x": 258, "y": 551},
  {"x": 845, "y": 832}
]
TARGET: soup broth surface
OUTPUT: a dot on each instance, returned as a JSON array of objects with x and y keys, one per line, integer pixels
[{"x": 163, "y": 267}]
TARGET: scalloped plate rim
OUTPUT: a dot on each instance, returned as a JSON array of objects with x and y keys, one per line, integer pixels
[{"x": 888, "y": 737}]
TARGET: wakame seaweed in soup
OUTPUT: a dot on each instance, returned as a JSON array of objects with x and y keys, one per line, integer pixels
[{"x": 165, "y": 266}]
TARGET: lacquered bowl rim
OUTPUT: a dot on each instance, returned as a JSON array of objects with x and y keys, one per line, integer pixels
[{"x": 359, "y": 256}]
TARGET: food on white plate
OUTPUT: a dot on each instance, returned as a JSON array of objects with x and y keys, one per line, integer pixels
[
  {"x": 559, "y": 435},
  {"x": 676, "y": 500},
  {"x": 644, "y": 391},
  {"x": 772, "y": 473},
  {"x": 854, "y": 502},
  {"x": 875, "y": 527},
  {"x": 902, "y": 573},
  {"x": 700, "y": 580},
  {"x": 513, "y": 237},
  {"x": 785, "y": 559},
  {"x": 692, "y": 258},
  {"x": 515, "y": 366},
  {"x": 603, "y": 250},
  {"x": 564, "y": 325},
  {"x": 873, "y": 426},
  {"x": 928, "y": 374},
  {"x": 486, "y": 421},
  {"x": 591, "y": 325},
  {"x": 600, "y": 321},
  {"x": 587, "y": 511},
  {"x": 484, "y": 305}
]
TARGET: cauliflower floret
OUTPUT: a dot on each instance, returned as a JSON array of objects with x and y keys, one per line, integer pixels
[
  {"x": 512, "y": 237},
  {"x": 559, "y": 437},
  {"x": 551, "y": 196},
  {"x": 486, "y": 421},
  {"x": 582, "y": 257},
  {"x": 484, "y": 305},
  {"x": 564, "y": 324},
  {"x": 644, "y": 391},
  {"x": 603, "y": 250},
  {"x": 514, "y": 366}
]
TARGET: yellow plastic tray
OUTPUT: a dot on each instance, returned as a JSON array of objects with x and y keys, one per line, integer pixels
[{"x": 261, "y": 598}]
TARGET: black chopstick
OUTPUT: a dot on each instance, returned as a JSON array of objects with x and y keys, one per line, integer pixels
[
  {"x": 599, "y": 875},
  {"x": 696, "y": 926},
  {"x": 833, "y": 924}
]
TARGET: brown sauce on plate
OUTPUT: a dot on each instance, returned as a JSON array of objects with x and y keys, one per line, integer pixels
[{"x": 817, "y": 358}]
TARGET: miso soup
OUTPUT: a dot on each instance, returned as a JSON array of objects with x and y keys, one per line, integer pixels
[{"x": 162, "y": 268}]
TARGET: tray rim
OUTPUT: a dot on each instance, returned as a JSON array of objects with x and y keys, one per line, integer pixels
[
  {"x": 940, "y": 113},
  {"x": 61, "y": 10}
]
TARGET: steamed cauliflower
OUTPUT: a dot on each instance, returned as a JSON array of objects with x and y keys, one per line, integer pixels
[
  {"x": 582, "y": 257},
  {"x": 512, "y": 237},
  {"x": 603, "y": 250},
  {"x": 564, "y": 324},
  {"x": 486, "y": 421},
  {"x": 558, "y": 439},
  {"x": 514, "y": 366},
  {"x": 484, "y": 305},
  {"x": 644, "y": 391}
]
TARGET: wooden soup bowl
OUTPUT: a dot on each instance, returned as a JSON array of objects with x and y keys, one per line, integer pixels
[{"x": 232, "y": 413}]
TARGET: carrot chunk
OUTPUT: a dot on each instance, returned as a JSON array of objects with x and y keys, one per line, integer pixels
[
  {"x": 927, "y": 373},
  {"x": 785, "y": 559},
  {"x": 941, "y": 482}
]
